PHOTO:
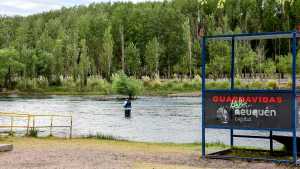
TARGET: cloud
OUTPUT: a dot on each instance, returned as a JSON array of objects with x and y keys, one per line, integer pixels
[{"x": 28, "y": 7}]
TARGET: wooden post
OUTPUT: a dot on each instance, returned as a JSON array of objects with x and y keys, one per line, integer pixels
[
  {"x": 51, "y": 125},
  {"x": 71, "y": 126}
]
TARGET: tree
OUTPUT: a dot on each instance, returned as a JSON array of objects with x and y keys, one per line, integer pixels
[
  {"x": 9, "y": 65},
  {"x": 186, "y": 61},
  {"x": 284, "y": 65},
  {"x": 152, "y": 55},
  {"x": 107, "y": 54},
  {"x": 122, "y": 47},
  {"x": 83, "y": 64},
  {"x": 219, "y": 63},
  {"x": 269, "y": 67},
  {"x": 29, "y": 59},
  {"x": 45, "y": 65},
  {"x": 132, "y": 60}
]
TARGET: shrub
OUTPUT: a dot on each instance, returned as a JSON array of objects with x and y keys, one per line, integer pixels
[
  {"x": 146, "y": 80},
  {"x": 106, "y": 137},
  {"x": 98, "y": 85},
  {"x": 218, "y": 85},
  {"x": 42, "y": 83},
  {"x": 25, "y": 84},
  {"x": 33, "y": 132},
  {"x": 197, "y": 78},
  {"x": 256, "y": 85},
  {"x": 125, "y": 85},
  {"x": 156, "y": 83},
  {"x": 272, "y": 84},
  {"x": 69, "y": 83}
]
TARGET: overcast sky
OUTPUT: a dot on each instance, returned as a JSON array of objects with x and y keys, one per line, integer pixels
[{"x": 27, "y": 7}]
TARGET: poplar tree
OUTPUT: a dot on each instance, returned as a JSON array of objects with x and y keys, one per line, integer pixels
[
  {"x": 152, "y": 54},
  {"x": 83, "y": 64},
  {"x": 132, "y": 60},
  {"x": 107, "y": 54}
]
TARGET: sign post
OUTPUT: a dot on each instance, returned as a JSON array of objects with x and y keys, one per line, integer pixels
[{"x": 240, "y": 109}]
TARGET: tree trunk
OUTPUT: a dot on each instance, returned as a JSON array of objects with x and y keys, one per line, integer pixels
[{"x": 122, "y": 47}]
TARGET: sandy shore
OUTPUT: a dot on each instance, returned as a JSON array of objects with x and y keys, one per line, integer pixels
[{"x": 53, "y": 153}]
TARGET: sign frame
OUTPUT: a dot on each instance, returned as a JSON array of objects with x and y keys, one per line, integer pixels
[{"x": 252, "y": 36}]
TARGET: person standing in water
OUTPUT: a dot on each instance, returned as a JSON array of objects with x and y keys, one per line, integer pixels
[{"x": 127, "y": 107}]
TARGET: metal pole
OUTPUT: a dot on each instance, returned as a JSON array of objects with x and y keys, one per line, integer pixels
[
  {"x": 294, "y": 119},
  {"x": 232, "y": 80},
  {"x": 51, "y": 125},
  {"x": 203, "y": 94},
  {"x": 71, "y": 126},
  {"x": 271, "y": 141},
  {"x": 28, "y": 124},
  {"x": 11, "y": 124},
  {"x": 33, "y": 123}
]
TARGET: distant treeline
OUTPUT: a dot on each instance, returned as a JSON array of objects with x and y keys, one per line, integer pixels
[{"x": 143, "y": 39}]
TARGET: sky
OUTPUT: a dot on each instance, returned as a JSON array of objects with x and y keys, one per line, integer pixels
[{"x": 28, "y": 7}]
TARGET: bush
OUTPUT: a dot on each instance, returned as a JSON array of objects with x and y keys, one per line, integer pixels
[
  {"x": 218, "y": 85},
  {"x": 146, "y": 80},
  {"x": 256, "y": 85},
  {"x": 98, "y": 85},
  {"x": 155, "y": 84},
  {"x": 69, "y": 84},
  {"x": 272, "y": 84},
  {"x": 124, "y": 85},
  {"x": 42, "y": 83},
  {"x": 33, "y": 133},
  {"x": 25, "y": 84},
  {"x": 101, "y": 136}
]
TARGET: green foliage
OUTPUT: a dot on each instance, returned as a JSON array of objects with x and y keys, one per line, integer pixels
[
  {"x": 218, "y": 85},
  {"x": 272, "y": 84},
  {"x": 269, "y": 67},
  {"x": 152, "y": 55},
  {"x": 99, "y": 85},
  {"x": 33, "y": 132},
  {"x": 83, "y": 64},
  {"x": 219, "y": 64},
  {"x": 101, "y": 136},
  {"x": 124, "y": 85},
  {"x": 284, "y": 64},
  {"x": 10, "y": 64},
  {"x": 132, "y": 59},
  {"x": 161, "y": 38},
  {"x": 107, "y": 53}
]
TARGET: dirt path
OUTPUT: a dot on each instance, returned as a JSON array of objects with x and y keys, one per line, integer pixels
[{"x": 91, "y": 153}]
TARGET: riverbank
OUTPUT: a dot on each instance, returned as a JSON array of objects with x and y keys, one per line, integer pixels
[
  {"x": 108, "y": 154},
  {"x": 100, "y": 95}
]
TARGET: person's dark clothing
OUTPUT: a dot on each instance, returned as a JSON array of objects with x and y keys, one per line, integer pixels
[{"x": 127, "y": 107}]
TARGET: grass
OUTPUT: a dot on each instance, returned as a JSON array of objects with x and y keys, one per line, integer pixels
[
  {"x": 106, "y": 140},
  {"x": 33, "y": 132},
  {"x": 101, "y": 136}
]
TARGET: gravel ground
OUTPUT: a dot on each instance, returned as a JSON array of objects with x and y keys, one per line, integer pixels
[{"x": 97, "y": 154}]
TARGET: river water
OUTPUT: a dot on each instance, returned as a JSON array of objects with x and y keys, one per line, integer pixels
[{"x": 154, "y": 119}]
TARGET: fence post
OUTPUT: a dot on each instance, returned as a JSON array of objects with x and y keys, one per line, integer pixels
[
  {"x": 11, "y": 124},
  {"x": 28, "y": 124},
  {"x": 33, "y": 123},
  {"x": 71, "y": 126},
  {"x": 51, "y": 125}
]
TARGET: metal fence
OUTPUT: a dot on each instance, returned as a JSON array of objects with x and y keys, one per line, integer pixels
[{"x": 31, "y": 122}]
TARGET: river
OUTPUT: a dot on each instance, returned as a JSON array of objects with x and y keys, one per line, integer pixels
[{"x": 154, "y": 119}]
